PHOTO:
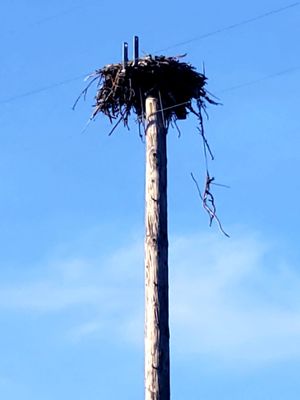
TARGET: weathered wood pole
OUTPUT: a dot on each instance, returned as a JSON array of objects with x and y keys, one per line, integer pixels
[{"x": 157, "y": 354}]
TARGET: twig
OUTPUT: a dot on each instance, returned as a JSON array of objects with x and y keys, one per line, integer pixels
[
  {"x": 208, "y": 197},
  {"x": 176, "y": 126},
  {"x": 115, "y": 126},
  {"x": 206, "y": 144},
  {"x": 84, "y": 92}
]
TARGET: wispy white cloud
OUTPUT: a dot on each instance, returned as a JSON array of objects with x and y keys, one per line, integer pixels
[
  {"x": 230, "y": 302},
  {"x": 86, "y": 329},
  {"x": 234, "y": 299},
  {"x": 107, "y": 290},
  {"x": 73, "y": 282}
]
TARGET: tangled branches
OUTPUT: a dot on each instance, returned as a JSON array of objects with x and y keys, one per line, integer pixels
[
  {"x": 179, "y": 88},
  {"x": 208, "y": 200},
  {"x": 124, "y": 90}
]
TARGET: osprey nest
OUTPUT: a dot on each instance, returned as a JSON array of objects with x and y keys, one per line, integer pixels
[{"x": 174, "y": 83}]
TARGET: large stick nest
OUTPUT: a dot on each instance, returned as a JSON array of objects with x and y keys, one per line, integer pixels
[
  {"x": 179, "y": 88},
  {"x": 123, "y": 90}
]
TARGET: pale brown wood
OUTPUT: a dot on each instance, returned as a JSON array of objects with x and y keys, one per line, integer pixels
[{"x": 157, "y": 354}]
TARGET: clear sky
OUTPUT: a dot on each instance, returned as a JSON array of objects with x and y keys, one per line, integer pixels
[{"x": 72, "y": 206}]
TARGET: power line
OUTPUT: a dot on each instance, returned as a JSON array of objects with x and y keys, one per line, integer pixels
[
  {"x": 225, "y": 90},
  {"x": 48, "y": 18},
  {"x": 55, "y": 16},
  {"x": 218, "y": 31},
  {"x": 267, "y": 77},
  {"x": 240, "y": 86},
  {"x": 230, "y": 27},
  {"x": 42, "y": 89}
]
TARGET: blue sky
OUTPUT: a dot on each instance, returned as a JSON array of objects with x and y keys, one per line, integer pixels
[{"x": 72, "y": 206}]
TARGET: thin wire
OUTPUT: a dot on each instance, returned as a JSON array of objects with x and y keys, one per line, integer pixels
[
  {"x": 40, "y": 90},
  {"x": 242, "y": 85},
  {"x": 43, "y": 20},
  {"x": 269, "y": 13},
  {"x": 230, "y": 27},
  {"x": 250, "y": 83},
  {"x": 54, "y": 16},
  {"x": 162, "y": 112},
  {"x": 225, "y": 90}
]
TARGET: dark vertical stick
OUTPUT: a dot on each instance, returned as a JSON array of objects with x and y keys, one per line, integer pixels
[
  {"x": 125, "y": 55},
  {"x": 135, "y": 50}
]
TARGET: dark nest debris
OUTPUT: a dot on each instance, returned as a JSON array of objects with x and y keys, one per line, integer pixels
[
  {"x": 174, "y": 83},
  {"x": 179, "y": 88}
]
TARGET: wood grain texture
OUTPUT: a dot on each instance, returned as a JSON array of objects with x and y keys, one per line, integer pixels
[{"x": 157, "y": 358}]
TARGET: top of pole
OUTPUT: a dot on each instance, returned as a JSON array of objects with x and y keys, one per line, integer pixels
[{"x": 125, "y": 86}]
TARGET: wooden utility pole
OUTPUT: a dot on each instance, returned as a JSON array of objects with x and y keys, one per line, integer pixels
[
  {"x": 157, "y": 358},
  {"x": 123, "y": 88}
]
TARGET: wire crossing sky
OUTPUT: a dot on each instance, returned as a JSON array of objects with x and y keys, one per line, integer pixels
[
  {"x": 72, "y": 205},
  {"x": 201, "y": 37},
  {"x": 233, "y": 26}
]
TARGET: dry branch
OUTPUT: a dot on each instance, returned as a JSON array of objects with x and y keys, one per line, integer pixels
[
  {"x": 179, "y": 88},
  {"x": 176, "y": 83}
]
